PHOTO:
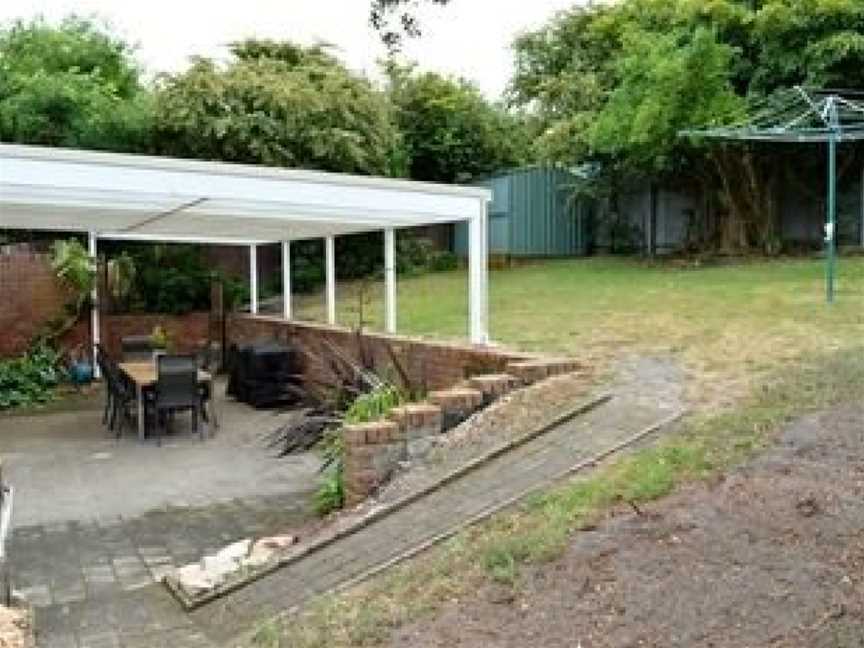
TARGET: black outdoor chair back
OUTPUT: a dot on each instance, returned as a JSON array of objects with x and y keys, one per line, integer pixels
[
  {"x": 103, "y": 359},
  {"x": 120, "y": 393},
  {"x": 177, "y": 382},
  {"x": 136, "y": 348}
]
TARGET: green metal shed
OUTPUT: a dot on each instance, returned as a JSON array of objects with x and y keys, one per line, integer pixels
[{"x": 533, "y": 214}]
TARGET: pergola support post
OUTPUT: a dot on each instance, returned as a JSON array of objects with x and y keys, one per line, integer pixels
[
  {"x": 94, "y": 302},
  {"x": 390, "y": 280},
  {"x": 253, "y": 279},
  {"x": 478, "y": 266},
  {"x": 286, "y": 279},
  {"x": 330, "y": 271}
]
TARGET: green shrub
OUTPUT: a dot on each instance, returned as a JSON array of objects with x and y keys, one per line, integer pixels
[
  {"x": 413, "y": 254},
  {"x": 366, "y": 407},
  {"x": 71, "y": 262},
  {"x": 374, "y": 405},
  {"x": 331, "y": 494},
  {"x": 443, "y": 261},
  {"x": 30, "y": 379}
]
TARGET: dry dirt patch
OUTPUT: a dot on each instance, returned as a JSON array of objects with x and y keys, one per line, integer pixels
[{"x": 772, "y": 555}]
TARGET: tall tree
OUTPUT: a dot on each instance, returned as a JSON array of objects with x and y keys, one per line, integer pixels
[
  {"x": 278, "y": 104},
  {"x": 384, "y": 13},
  {"x": 74, "y": 84},
  {"x": 451, "y": 133},
  {"x": 614, "y": 84}
]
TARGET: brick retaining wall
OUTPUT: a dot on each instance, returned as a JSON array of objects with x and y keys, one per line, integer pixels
[{"x": 429, "y": 364}]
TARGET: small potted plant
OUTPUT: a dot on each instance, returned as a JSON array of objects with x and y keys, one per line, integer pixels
[
  {"x": 80, "y": 369},
  {"x": 159, "y": 341}
]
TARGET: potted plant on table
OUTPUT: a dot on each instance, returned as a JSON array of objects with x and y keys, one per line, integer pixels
[{"x": 160, "y": 341}]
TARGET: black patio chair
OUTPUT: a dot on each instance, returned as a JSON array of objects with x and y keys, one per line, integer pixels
[
  {"x": 136, "y": 348},
  {"x": 102, "y": 361},
  {"x": 123, "y": 399},
  {"x": 176, "y": 391}
]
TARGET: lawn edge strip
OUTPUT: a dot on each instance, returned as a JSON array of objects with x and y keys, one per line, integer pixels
[{"x": 192, "y": 603}]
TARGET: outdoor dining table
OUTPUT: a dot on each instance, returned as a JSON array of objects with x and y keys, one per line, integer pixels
[{"x": 144, "y": 375}]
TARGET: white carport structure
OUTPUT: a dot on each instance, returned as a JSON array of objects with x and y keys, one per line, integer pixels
[{"x": 142, "y": 198}]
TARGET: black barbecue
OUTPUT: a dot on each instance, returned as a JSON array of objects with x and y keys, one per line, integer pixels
[{"x": 265, "y": 374}]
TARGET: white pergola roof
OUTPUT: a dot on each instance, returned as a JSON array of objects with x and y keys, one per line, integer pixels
[
  {"x": 136, "y": 197},
  {"x": 153, "y": 198}
]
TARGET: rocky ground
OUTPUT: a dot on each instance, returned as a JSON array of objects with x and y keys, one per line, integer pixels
[
  {"x": 770, "y": 555},
  {"x": 15, "y": 629}
]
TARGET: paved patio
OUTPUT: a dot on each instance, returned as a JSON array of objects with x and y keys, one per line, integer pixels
[
  {"x": 91, "y": 571},
  {"x": 98, "y": 520},
  {"x": 66, "y": 466}
]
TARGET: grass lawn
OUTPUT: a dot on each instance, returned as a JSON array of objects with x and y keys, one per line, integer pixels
[{"x": 731, "y": 325}]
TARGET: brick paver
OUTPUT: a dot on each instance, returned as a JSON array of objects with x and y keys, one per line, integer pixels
[{"x": 96, "y": 584}]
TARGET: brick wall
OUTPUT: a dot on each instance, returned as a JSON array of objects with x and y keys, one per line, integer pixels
[
  {"x": 30, "y": 295},
  {"x": 435, "y": 365},
  {"x": 188, "y": 332}
]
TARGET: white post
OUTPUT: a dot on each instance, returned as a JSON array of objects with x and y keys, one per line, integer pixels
[
  {"x": 286, "y": 279},
  {"x": 330, "y": 271},
  {"x": 390, "y": 280},
  {"x": 478, "y": 278},
  {"x": 94, "y": 301},
  {"x": 253, "y": 279},
  {"x": 484, "y": 305}
]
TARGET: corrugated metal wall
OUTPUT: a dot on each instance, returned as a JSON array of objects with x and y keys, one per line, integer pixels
[{"x": 533, "y": 214}]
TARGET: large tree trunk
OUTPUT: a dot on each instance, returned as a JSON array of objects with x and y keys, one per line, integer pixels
[{"x": 747, "y": 185}]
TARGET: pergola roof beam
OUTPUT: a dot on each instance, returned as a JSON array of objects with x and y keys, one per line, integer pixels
[{"x": 166, "y": 214}]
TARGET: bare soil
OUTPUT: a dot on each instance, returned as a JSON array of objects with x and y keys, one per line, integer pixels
[{"x": 770, "y": 555}]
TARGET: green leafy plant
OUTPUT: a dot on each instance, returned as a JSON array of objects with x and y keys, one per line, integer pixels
[
  {"x": 121, "y": 276},
  {"x": 159, "y": 338},
  {"x": 366, "y": 407},
  {"x": 331, "y": 494},
  {"x": 30, "y": 379},
  {"x": 73, "y": 264},
  {"x": 443, "y": 261},
  {"x": 374, "y": 405},
  {"x": 74, "y": 267}
]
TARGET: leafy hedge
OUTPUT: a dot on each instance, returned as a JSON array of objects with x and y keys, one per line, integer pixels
[{"x": 30, "y": 379}]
